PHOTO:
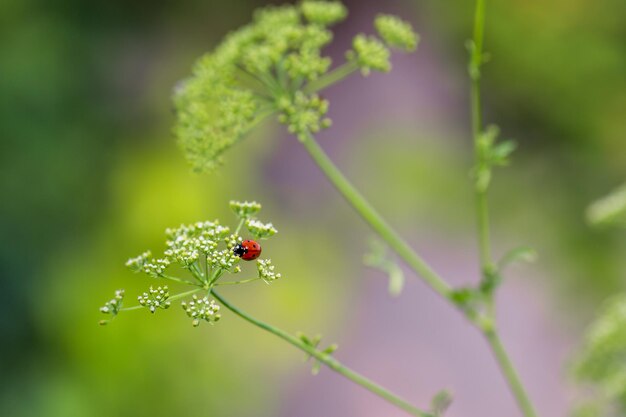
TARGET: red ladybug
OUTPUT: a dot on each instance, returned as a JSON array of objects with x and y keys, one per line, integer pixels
[{"x": 248, "y": 250}]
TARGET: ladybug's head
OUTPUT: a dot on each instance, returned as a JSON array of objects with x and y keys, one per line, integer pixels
[{"x": 240, "y": 250}]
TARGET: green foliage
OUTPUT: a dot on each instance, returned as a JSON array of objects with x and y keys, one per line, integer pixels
[
  {"x": 601, "y": 364},
  {"x": 396, "y": 32},
  {"x": 273, "y": 65},
  {"x": 314, "y": 343},
  {"x": 490, "y": 154},
  {"x": 610, "y": 210}
]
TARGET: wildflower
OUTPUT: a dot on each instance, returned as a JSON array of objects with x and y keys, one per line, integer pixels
[
  {"x": 112, "y": 306},
  {"x": 369, "y": 54},
  {"x": 260, "y": 230},
  {"x": 271, "y": 66},
  {"x": 245, "y": 209},
  {"x": 304, "y": 113},
  {"x": 324, "y": 13},
  {"x": 137, "y": 264},
  {"x": 396, "y": 33},
  {"x": 266, "y": 271},
  {"x": 202, "y": 309},
  {"x": 155, "y": 298}
]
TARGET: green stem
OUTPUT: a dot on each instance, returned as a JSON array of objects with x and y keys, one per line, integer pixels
[
  {"x": 481, "y": 193},
  {"x": 371, "y": 216},
  {"x": 327, "y": 360},
  {"x": 482, "y": 212},
  {"x": 508, "y": 370},
  {"x": 179, "y": 280},
  {"x": 245, "y": 281},
  {"x": 331, "y": 78}
]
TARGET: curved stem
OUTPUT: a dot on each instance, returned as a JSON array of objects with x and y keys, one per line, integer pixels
[
  {"x": 371, "y": 216},
  {"x": 327, "y": 360},
  {"x": 508, "y": 370}
]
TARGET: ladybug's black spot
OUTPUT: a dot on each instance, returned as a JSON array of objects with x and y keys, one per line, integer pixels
[{"x": 240, "y": 250}]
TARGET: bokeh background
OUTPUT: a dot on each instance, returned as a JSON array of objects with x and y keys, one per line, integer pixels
[{"x": 91, "y": 175}]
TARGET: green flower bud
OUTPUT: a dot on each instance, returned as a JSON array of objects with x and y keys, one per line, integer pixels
[
  {"x": 369, "y": 53},
  {"x": 324, "y": 13},
  {"x": 396, "y": 32}
]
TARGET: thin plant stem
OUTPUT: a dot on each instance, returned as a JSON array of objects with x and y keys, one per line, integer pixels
[
  {"x": 375, "y": 220},
  {"x": 327, "y": 360},
  {"x": 482, "y": 211},
  {"x": 476, "y": 60},
  {"x": 332, "y": 77},
  {"x": 509, "y": 372},
  {"x": 245, "y": 281},
  {"x": 179, "y": 280}
]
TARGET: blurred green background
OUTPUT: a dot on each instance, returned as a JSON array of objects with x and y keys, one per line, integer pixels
[{"x": 90, "y": 175}]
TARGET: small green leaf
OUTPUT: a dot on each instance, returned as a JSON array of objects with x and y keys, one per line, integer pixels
[
  {"x": 440, "y": 402},
  {"x": 523, "y": 254},
  {"x": 609, "y": 210},
  {"x": 330, "y": 349},
  {"x": 377, "y": 258},
  {"x": 464, "y": 296},
  {"x": 315, "y": 369},
  {"x": 500, "y": 153}
]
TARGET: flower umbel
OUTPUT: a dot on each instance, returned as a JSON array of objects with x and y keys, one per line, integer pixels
[
  {"x": 396, "y": 32},
  {"x": 155, "y": 298},
  {"x": 201, "y": 309},
  {"x": 266, "y": 271},
  {"x": 203, "y": 250},
  {"x": 112, "y": 306},
  {"x": 274, "y": 65}
]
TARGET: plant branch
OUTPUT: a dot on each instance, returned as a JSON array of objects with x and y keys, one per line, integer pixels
[
  {"x": 482, "y": 211},
  {"x": 327, "y": 360},
  {"x": 332, "y": 77},
  {"x": 508, "y": 370}
]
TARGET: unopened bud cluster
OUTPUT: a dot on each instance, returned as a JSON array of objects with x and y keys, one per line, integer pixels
[{"x": 274, "y": 65}]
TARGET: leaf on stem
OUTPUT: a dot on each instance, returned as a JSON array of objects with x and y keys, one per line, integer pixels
[
  {"x": 378, "y": 258},
  {"x": 440, "y": 402},
  {"x": 521, "y": 254}
]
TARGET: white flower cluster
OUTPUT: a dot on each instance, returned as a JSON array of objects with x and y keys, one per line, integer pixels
[
  {"x": 266, "y": 270},
  {"x": 137, "y": 264},
  {"x": 204, "y": 250},
  {"x": 155, "y": 298},
  {"x": 187, "y": 242},
  {"x": 113, "y": 306},
  {"x": 202, "y": 309},
  {"x": 156, "y": 267},
  {"x": 224, "y": 259},
  {"x": 260, "y": 230},
  {"x": 245, "y": 209}
]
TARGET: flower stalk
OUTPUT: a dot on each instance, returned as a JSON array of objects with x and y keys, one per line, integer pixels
[{"x": 326, "y": 359}]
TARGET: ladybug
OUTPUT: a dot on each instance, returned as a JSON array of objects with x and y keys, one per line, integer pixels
[{"x": 248, "y": 250}]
